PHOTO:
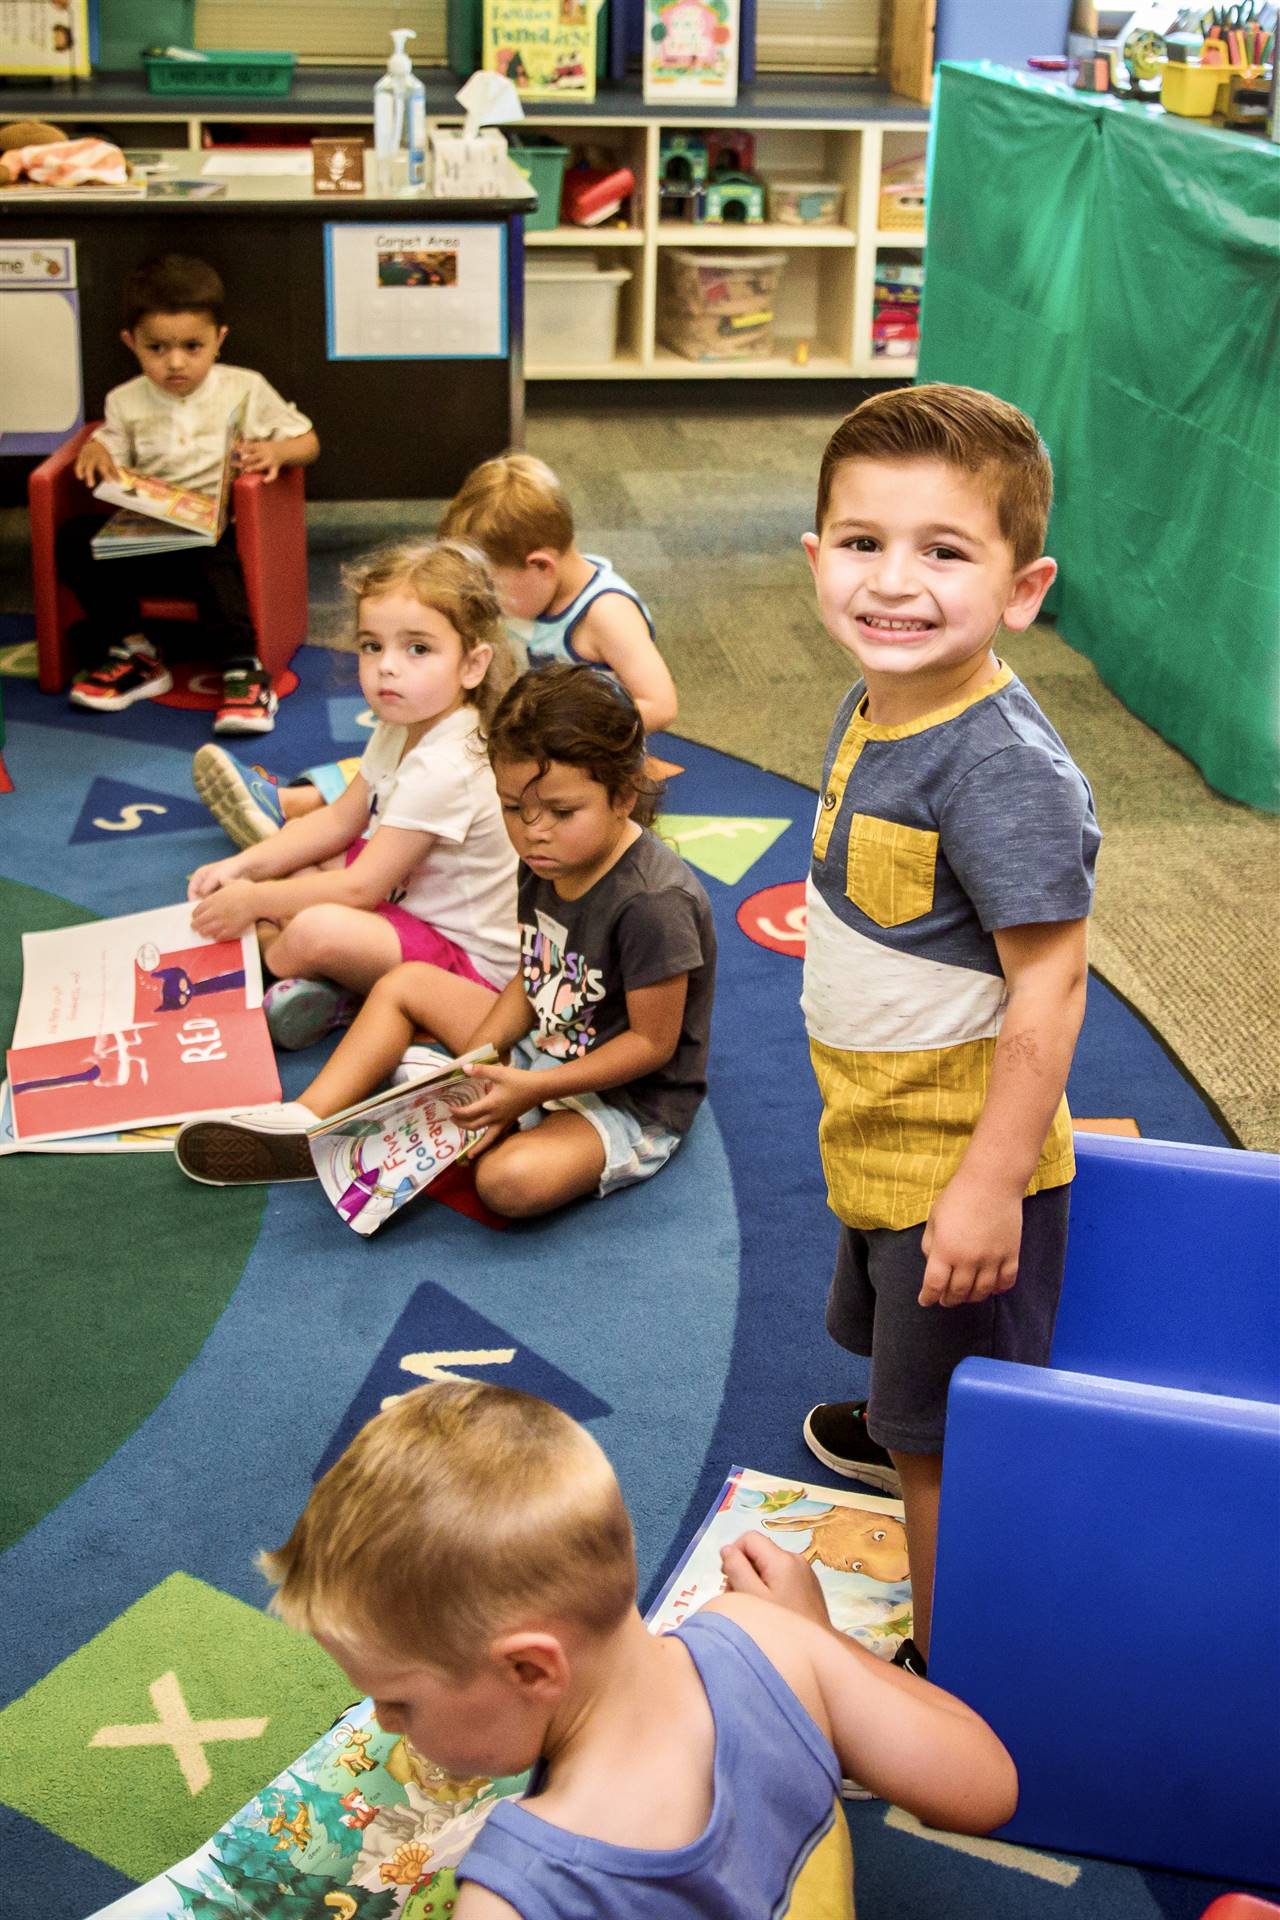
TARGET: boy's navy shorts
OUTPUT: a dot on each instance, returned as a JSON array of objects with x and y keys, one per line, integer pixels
[{"x": 872, "y": 1309}]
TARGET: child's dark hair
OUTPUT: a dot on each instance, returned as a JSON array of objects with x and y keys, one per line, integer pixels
[
  {"x": 173, "y": 283},
  {"x": 579, "y": 717}
]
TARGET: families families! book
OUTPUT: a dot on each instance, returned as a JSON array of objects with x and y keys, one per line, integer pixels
[
  {"x": 856, "y": 1543},
  {"x": 136, "y": 1022},
  {"x": 376, "y": 1156},
  {"x": 157, "y": 517},
  {"x": 360, "y": 1828}
]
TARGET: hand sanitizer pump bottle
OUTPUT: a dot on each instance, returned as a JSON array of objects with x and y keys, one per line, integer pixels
[{"x": 399, "y": 118}]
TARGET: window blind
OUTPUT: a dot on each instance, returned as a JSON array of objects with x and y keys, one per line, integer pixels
[
  {"x": 325, "y": 30},
  {"x": 818, "y": 36}
]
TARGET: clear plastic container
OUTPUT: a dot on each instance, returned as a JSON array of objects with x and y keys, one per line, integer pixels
[
  {"x": 718, "y": 306},
  {"x": 805, "y": 203},
  {"x": 570, "y": 310}
]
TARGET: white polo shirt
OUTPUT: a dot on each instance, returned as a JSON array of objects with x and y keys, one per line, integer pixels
[{"x": 183, "y": 437}]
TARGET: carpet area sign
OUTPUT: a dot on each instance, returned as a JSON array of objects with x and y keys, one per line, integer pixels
[{"x": 397, "y": 290}]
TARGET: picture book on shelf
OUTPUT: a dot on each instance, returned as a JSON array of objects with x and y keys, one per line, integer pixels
[
  {"x": 375, "y": 1157},
  {"x": 361, "y": 1827},
  {"x": 691, "y": 50},
  {"x": 546, "y": 48},
  {"x": 135, "y": 1023},
  {"x": 856, "y": 1543},
  {"x": 158, "y": 517}
]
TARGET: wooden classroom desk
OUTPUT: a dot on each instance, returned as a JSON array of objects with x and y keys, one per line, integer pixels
[{"x": 390, "y": 429}]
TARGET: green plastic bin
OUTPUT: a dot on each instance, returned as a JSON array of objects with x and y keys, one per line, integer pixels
[
  {"x": 259, "y": 75},
  {"x": 542, "y": 163}
]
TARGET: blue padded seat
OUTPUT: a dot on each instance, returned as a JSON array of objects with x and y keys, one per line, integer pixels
[{"x": 1108, "y": 1586}]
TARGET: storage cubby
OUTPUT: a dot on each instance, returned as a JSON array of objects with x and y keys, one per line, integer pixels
[
  {"x": 823, "y": 305},
  {"x": 804, "y": 133}
]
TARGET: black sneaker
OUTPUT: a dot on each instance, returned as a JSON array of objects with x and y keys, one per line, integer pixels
[
  {"x": 248, "y": 701},
  {"x": 127, "y": 674},
  {"x": 837, "y": 1433},
  {"x": 911, "y": 1660}
]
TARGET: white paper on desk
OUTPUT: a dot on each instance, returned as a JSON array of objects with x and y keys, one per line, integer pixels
[{"x": 288, "y": 162}]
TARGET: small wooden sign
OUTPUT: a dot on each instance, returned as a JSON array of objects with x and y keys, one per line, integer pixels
[{"x": 337, "y": 166}]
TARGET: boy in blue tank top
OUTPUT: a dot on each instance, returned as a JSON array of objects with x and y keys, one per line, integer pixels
[
  {"x": 469, "y": 1562},
  {"x": 563, "y": 606}
]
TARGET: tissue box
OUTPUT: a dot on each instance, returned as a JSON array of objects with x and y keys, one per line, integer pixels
[{"x": 465, "y": 168}]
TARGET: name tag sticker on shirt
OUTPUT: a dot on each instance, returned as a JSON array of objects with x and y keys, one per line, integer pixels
[{"x": 553, "y": 929}]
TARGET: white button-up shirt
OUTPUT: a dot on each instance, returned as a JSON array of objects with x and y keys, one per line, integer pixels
[{"x": 183, "y": 437}]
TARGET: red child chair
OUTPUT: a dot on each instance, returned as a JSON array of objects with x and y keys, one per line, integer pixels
[{"x": 271, "y": 533}]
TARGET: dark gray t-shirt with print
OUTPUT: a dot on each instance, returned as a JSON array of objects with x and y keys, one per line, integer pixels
[{"x": 644, "y": 921}]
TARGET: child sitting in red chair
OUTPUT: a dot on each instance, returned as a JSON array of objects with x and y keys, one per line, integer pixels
[{"x": 171, "y": 422}]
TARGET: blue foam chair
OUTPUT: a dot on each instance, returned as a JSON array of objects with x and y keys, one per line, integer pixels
[{"x": 1108, "y": 1588}]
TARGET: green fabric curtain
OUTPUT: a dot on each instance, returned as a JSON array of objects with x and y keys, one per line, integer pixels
[{"x": 1113, "y": 270}]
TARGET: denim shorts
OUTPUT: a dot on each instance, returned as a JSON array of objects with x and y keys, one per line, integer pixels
[{"x": 634, "y": 1149}]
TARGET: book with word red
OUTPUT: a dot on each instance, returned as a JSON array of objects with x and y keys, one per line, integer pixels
[
  {"x": 135, "y": 1023},
  {"x": 374, "y": 1157},
  {"x": 155, "y": 516}
]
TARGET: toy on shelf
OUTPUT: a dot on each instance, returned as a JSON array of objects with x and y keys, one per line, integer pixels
[
  {"x": 729, "y": 150},
  {"x": 734, "y": 197},
  {"x": 683, "y": 167},
  {"x": 592, "y": 195}
]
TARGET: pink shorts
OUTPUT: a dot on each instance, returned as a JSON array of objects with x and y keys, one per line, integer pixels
[{"x": 418, "y": 941}]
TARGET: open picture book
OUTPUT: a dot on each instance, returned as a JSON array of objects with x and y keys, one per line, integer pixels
[
  {"x": 155, "y": 516},
  {"x": 134, "y": 1023},
  {"x": 374, "y": 1157},
  {"x": 364, "y": 1827}
]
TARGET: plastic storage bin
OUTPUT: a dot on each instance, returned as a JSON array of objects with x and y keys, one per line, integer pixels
[
  {"x": 718, "y": 306},
  {"x": 542, "y": 163},
  {"x": 570, "y": 310},
  {"x": 804, "y": 203},
  {"x": 246, "y": 75}
]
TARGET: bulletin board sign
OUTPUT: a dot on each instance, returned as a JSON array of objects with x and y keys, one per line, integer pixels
[
  {"x": 429, "y": 291},
  {"x": 45, "y": 37},
  {"x": 41, "y": 394},
  {"x": 691, "y": 50},
  {"x": 546, "y": 48}
]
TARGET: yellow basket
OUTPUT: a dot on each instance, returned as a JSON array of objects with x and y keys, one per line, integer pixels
[{"x": 1193, "y": 90}]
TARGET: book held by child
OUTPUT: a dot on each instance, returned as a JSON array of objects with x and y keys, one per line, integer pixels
[
  {"x": 158, "y": 517},
  {"x": 374, "y": 1157}
]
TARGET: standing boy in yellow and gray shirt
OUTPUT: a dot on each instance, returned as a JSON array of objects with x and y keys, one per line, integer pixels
[{"x": 945, "y": 965}]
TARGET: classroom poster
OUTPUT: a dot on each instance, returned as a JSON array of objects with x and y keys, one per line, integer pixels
[
  {"x": 416, "y": 291},
  {"x": 691, "y": 50},
  {"x": 136, "y": 1022},
  {"x": 41, "y": 396},
  {"x": 45, "y": 37},
  {"x": 546, "y": 48}
]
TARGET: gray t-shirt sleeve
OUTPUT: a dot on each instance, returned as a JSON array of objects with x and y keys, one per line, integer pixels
[
  {"x": 1020, "y": 835},
  {"x": 657, "y": 937}
]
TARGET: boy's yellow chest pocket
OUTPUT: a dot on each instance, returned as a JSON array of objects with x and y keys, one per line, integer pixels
[{"x": 890, "y": 870}]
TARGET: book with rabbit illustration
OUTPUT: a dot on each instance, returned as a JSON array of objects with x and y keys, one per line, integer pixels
[{"x": 856, "y": 1543}]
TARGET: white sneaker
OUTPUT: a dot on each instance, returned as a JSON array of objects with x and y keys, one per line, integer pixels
[
  {"x": 249, "y": 1148},
  {"x": 417, "y": 1060}
]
